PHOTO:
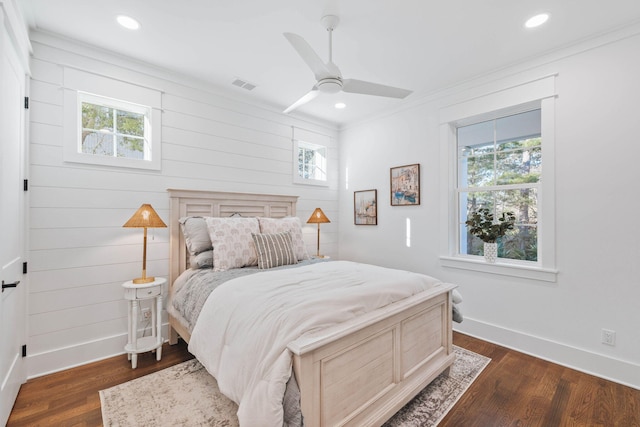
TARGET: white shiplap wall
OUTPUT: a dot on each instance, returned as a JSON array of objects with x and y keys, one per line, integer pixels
[{"x": 79, "y": 254}]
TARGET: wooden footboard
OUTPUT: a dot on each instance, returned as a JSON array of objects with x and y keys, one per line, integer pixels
[{"x": 363, "y": 374}]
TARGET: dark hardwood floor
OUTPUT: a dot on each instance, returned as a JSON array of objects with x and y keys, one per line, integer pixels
[
  {"x": 520, "y": 390},
  {"x": 513, "y": 390}
]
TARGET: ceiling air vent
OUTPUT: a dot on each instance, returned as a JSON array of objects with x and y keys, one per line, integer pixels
[{"x": 243, "y": 84}]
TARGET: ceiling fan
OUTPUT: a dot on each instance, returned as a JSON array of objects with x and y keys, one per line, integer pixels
[{"x": 328, "y": 76}]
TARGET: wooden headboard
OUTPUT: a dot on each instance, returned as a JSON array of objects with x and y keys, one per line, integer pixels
[{"x": 221, "y": 204}]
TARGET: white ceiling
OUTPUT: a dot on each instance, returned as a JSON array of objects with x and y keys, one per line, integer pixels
[{"x": 419, "y": 45}]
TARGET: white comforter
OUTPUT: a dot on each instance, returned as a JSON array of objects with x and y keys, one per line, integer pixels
[{"x": 242, "y": 333}]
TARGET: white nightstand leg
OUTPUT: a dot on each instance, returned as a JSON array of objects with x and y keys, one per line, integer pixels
[
  {"x": 134, "y": 332},
  {"x": 154, "y": 314},
  {"x": 158, "y": 327},
  {"x": 129, "y": 309}
]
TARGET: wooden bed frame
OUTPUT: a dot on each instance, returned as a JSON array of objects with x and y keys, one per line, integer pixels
[{"x": 357, "y": 373}]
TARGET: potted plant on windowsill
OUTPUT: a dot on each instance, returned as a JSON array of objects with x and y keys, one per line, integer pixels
[{"x": 483, "y": 225}]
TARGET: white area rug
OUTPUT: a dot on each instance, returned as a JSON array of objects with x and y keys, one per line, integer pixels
[{"x": 186, "y": 395}]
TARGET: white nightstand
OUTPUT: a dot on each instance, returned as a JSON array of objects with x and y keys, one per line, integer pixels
[{"x": 134, "y": 293}]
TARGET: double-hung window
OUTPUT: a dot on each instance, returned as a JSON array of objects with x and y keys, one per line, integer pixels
[
  {"x": 499, "y": 165},
  {"x": 499, "y": 152}
]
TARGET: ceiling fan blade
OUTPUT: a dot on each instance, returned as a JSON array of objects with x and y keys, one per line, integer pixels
[
  {"x": 309, "y": 56},
  {"x": 368, "y": 88},
  {"x": 306, "y": 98}
]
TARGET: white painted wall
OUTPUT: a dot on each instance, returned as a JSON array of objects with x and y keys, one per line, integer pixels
[
  {"x": 80, "y": 254},
  {"x": 597, "y": 151}
]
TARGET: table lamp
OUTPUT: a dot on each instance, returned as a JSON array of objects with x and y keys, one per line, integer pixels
[
  {"x": 145, "y": 217},
  {"x": 318, "y": 217}
]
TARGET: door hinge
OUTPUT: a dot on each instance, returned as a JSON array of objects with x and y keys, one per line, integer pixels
[
  {"x": 24, "y": 350},
  {"x": 25, "y": 185},
  {"x": 26, "y": 102},
  {"x": 24, "y": 268}
]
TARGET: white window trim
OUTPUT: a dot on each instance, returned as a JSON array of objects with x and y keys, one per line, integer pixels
[
  {"x": 311, "y": 138},
  {"x": 538, "y": 93},
  {"x": 76, "y": 81}
]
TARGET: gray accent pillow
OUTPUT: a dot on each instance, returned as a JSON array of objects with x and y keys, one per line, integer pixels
[
  {"x": 196, "y": 234},
  {"x": 202, "y": 260},
  {"x": 274, "y": 250}
]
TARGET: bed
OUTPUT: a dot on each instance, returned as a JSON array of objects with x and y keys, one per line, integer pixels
[{"x": 408, "y": 343}]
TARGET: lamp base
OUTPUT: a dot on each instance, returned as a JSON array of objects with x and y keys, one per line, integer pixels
[{"x": 141, "y": 280}]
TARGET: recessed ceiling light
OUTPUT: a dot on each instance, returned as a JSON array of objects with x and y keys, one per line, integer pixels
[
  {"x": 536, "y": 21},
  {"x": 340, "y": 105},
  {"x": 128, "y": 22}
]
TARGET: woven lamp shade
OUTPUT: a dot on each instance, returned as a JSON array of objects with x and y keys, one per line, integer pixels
[
  {"x": 318, "y": 217},
  {"x": 145, "y": 217}
]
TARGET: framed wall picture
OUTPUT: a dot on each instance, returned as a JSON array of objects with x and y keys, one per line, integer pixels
[
  {"x": 365, "y": 207},
  {"x": 405, "y": 185}
]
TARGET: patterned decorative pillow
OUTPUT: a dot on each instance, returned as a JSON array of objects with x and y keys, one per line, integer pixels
[
  {"x": 274, "y": 250},
  {"x": 233, "y": 245},
  {"x": 290, "y": 224}
]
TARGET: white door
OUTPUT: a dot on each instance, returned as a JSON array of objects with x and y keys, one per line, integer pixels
[{"x": 12, "y": 210}]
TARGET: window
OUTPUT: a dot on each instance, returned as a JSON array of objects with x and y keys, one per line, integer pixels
[
  {"x": 110, "y": 122},
  {"x": 114, "y": 128},
  {"x": 499, "y": 168},
  {"x": 498, "y": 152},
  {"x": 312, "y": 161},
  {"x": 310, "y": 157}
]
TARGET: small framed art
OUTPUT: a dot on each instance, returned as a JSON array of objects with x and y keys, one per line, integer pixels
[
  {"x": 405, "y": 185},
  {"x": 365, "y": 207}
]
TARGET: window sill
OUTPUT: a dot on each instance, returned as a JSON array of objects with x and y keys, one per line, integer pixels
[
  {"x": 120, "y": 162},
  {"x": 311, "y": 182},
  {"x": 501, "y": 268}
]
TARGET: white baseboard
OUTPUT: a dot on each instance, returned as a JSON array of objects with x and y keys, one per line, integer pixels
[
  {"x": 619, "y": 371},
  {"x": 69, "y": 357},
  {"x": 616, "y": 370}
]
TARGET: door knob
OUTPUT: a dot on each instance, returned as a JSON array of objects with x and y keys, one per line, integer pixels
[{"x": 9, "y": 285}]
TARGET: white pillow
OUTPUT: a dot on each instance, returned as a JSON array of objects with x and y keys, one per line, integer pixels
[
  {"x": 233, "y": 245},
  {"x": 290, "y": 224}
]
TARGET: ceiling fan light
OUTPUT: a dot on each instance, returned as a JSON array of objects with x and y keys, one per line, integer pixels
[{"x": 330, "y": 85}]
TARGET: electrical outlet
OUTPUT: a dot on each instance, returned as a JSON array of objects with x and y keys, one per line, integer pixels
[
  {"x": 146, "y": 313},
  {"x": 608, "y": 337}
]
